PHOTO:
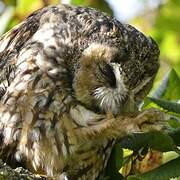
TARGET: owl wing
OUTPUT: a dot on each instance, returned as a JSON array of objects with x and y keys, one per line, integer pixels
[
  {"x": 35, "y": 89},
  {"x": 10, "y": 45}
]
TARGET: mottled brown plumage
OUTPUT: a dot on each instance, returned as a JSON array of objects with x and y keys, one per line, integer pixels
[{"x": 62, "y": 71}]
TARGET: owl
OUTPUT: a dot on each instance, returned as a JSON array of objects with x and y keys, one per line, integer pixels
[{"x": 64, "y": 70}]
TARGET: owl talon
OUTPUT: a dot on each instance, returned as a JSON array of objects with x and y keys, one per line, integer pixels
[{"x": 151, "y": 119}]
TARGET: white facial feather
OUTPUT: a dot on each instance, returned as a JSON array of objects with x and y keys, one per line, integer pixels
[{"x": 110, "y": 99}]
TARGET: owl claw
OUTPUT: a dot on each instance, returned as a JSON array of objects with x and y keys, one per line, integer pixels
[{"x": 151, "y": 119}]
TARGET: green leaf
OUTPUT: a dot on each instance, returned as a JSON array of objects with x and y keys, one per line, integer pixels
[
  {"x": 175, "y": 135},
  {"x": 169, "y": 88},
  {"x": 115, "y": 163},
  {"x": 161, "y": 141},
  {"x": 155, "y": 140},
  {"x": 160, "y": 90},
  {"x": 134, "y": 141},
  {"x": 169, "y": 170},
  {"x": 170, "y": 106}
]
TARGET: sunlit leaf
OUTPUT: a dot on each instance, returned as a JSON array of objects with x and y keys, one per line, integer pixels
[
  {"x": 127, "y": 152},
  {"x": 168, "y": 156}
]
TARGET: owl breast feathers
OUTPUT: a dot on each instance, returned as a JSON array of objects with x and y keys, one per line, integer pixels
[{"x": 62, "y": 70}]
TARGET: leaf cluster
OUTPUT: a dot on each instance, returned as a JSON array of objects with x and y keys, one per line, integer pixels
[{"x": 166, "y": 97}]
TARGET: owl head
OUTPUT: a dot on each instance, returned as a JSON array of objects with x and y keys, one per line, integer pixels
[{"x": 108, "y": 78}]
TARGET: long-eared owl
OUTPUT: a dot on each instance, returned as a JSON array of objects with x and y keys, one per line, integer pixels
[{"x": 62, "y": 70}]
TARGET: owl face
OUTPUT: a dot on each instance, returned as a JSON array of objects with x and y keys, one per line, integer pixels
[{"x": 106, "y": 81}]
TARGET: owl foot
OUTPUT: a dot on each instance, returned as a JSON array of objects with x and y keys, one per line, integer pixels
[
  {"x": 150, "y": 120},
  {"x": 122, "y": 125}
]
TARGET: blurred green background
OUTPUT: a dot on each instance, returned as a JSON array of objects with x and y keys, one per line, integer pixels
[{"x": 157, "y": 18}]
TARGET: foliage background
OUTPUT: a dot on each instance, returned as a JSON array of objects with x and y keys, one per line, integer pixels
[{"x": 163, "y": 24}]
